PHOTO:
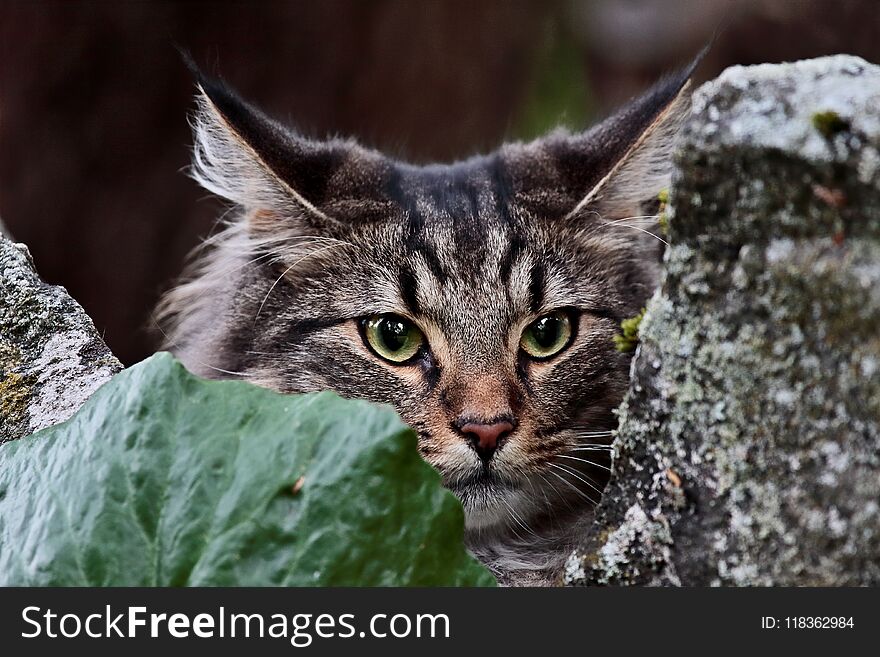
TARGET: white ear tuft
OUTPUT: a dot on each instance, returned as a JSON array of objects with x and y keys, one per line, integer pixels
[{"x": 226, "y": 165}]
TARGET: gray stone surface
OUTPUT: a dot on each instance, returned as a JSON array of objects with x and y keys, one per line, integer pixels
[
  {"x": 51, "y": 357},
  {"x": 749, "y": 446}
]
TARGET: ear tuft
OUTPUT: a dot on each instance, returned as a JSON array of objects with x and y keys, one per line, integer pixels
[
  {"x": 260, "y": 165},
  {"x": 245, "y": 157}
]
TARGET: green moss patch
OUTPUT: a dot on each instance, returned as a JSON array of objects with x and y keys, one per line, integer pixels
[
  {"x": 628, "y": 339},
  {"x": 829, "y": 123}
]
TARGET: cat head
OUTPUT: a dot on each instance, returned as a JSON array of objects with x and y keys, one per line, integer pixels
[{"x": 480, "y": 298}]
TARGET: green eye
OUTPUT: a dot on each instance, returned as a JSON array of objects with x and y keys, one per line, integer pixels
[
  {"x": 547, "y": 335},
  {"x": 392, "y": 337}
]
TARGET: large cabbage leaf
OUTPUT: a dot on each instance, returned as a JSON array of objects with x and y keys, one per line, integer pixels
[{"x": 165, "y": 479}]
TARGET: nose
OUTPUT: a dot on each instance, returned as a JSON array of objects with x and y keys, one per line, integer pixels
[{"x": 486, "y": 436}]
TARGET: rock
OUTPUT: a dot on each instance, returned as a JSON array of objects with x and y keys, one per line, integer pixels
[
  {"x": 51, "y": 357},
  {"x": 748, "y": 451}
]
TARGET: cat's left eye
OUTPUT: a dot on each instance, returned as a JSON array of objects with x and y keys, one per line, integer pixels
[
  {"x": 392, "y": 337},
  {"x": 547, "y": 335}
]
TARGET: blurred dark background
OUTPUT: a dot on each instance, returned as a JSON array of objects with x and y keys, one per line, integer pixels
[{"x": 94, "y": 99}]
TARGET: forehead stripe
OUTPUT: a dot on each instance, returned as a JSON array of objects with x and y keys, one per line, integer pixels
[
  {"x": 536, "y": 287},
  {"x": 503, "y": 190},
  {"x": 408, "y": 287},
  {"x": 510, "y": 256}
]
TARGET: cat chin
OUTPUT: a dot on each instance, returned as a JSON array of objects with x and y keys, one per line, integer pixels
[
  {"x": 484, "y": 517},
  {"x": 492, "y": 511}
]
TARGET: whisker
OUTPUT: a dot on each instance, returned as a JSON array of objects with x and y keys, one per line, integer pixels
[
  {"x": 648, "y": 218},
  {"x": 548, "y": 507},
  {"x": 511, "y": 515},
  {"x": 573, "y": 487},
  {"x": 284, "y": 273},
  {"x": 574, "y": 474},
  {"x": 517, "y": 517},
  {"x": 203, "y": 364},
  {"x": 238, "y": 267},
  {"x": 575, "y": 458},
  {"x": 619, "y": 222},
  {"x": 274, "y": 256},
  {"x": 641, "y": 230},
  {"x": 555, "y": 490},
  {"x": 277, "y": 280}
]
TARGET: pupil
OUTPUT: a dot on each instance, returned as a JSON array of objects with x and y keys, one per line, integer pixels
[
  {"x": 394, "y": 334},
  {"x": 546, "y": 332}
]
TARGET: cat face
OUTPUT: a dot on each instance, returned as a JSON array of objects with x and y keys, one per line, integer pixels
[
  {"x": 480, "y": 299},
  {"x": 486, "y": 326}
]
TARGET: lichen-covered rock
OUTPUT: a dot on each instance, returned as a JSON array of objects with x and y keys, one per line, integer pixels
[
  {"x": 51, "y": 357},
  {"x": 748, "y": 451}
]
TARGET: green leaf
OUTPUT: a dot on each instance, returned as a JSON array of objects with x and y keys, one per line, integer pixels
[{"x": 164, "y": 479}]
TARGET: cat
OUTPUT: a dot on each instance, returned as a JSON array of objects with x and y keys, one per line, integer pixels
[{"x": 478, "y": 298}]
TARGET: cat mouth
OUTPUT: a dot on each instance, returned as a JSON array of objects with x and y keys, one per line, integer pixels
[
  {"x": 482, "y": 478},
  {"x": 489, "y": 475}
]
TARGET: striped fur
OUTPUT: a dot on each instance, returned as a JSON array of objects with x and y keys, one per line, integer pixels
[{"x": 326, "y": 233}]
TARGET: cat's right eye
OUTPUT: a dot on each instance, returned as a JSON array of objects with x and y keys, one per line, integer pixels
[
  {"x": 392, "y": 337},
  {"x": 547, "y": 336}
]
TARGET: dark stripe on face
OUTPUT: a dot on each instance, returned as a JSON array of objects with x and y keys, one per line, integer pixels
[
  {"x": 302, "y": 328},
  {"x": 427, "y": 252},
  {"x": 395, "y": 192},
  {"x": 408, "y": 286},
  {"x": 536, "y": 287},
  {"x": 415, "y": 229},
  {"x": 454, "y": 194},
  {"x": 510, "y": 256},
  {"x": 430, "y": 370},
  {"x": 469, "y": 228},
  {"x": 605, "y": 313},
  {"x": 417, "y": 243},
  {"x": 522, "y": 373},
  {"x": 415, "y": 240},
  {"x": 502, "y": 188}
]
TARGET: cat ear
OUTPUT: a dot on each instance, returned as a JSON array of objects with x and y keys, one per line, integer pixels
[
  {"x": 611, "y": 170},
  {"x": 283, "y": 180},
  {"x": 647, "y": 127}
]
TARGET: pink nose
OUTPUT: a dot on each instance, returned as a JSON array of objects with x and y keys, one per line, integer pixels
[{"x": 485, "y": 437}]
